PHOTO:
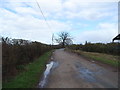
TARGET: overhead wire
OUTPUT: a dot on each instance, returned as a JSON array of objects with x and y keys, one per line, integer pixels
[
  {"x": 44, "y": 18},
  {"x": 42, "y": 14}
]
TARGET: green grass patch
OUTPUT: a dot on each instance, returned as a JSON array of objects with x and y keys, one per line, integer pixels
[
  {"x": 30, "y": 77},
  {"x": 104, "y": 58}
]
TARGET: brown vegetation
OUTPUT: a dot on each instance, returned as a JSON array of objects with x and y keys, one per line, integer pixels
[{"x": 17, "y": 52}]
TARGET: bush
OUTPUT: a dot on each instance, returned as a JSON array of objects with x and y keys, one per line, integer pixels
[
  {"x": 17, "y": 52},
  {"x": 109, "y": 48}
]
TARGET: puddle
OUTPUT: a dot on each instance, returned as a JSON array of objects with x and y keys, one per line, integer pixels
[
  {"x": 55, "y": 65},
  {"x": 85, "y": 73},
  {"x": 49, "y": 66},
  {"x": 62, "y": 49}
]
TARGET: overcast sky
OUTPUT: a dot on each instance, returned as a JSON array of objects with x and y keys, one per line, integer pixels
[{"x": 86, "y": 21}]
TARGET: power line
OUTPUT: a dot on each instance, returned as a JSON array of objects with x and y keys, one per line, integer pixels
[
  {"x": 42, "y": 14},
  {"x": 45, "y": 19}
]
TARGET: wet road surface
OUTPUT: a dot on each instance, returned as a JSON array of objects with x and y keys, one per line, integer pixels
[{"x": 72, "y": 71}]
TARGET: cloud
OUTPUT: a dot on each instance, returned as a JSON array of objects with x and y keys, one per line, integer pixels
[
  {"x": 88, "y": 10},
  {"x": 66, "y": 0},
  {"x": 29, "y": 27},
  {"x": 104, "y": 33},
  {"x": 70, "y": 9},
  {"x": 22, "y": 19}
]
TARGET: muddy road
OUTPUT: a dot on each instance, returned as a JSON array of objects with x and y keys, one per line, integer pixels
[{"x": 73, "y": 71}]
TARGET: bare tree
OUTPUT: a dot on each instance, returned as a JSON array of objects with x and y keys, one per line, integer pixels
[{"x": 64, "y": 39}]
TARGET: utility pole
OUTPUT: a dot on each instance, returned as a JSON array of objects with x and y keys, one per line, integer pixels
[{"x": 52, "y": 38}]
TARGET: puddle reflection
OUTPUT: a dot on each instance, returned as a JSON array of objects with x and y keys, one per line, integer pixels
[{"x": 49, "y": 66}]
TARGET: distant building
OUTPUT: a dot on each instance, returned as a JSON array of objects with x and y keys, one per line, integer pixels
[{"x": 116, "y": 38}]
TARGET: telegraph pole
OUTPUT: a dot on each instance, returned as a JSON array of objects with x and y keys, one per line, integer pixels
[{"x": 52, "y": 38}]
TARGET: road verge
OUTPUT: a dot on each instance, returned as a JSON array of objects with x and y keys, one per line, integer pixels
[
  {"x": 30, "y": 77},
  {"x": 111, "y": 60}
]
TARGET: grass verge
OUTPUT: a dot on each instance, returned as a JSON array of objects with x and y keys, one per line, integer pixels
[
  {"x": 30, "y": 77},
  {"x": 104, "y": 58}
]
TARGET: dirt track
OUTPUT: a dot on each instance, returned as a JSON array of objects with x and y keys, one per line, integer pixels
[{"x": 76, "y": 72}]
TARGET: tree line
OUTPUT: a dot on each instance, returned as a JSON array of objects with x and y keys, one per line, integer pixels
[
  {"x": 18, "y": 52},
  {"x": 109, "y": 48}
]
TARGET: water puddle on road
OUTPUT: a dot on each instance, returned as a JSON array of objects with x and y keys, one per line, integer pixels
[
  {"x": 49, "y": 66},
  {"x": 85, "y": 73}
]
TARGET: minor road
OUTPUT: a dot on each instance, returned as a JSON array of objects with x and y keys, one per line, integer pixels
[{"x": 75, "y": 71}]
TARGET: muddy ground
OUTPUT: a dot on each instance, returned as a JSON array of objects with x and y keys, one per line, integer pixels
[{"x": 73, "y": 71}]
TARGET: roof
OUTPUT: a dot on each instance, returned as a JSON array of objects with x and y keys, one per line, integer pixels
[{"x": 117, "y": 37}]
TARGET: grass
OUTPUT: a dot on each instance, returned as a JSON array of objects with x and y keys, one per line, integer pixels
[
  {"x": 30, "y": 77},
  {"x": 104, "y": 58}
]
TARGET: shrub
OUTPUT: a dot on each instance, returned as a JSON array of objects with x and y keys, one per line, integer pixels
[{"x": 17, "y": 52}]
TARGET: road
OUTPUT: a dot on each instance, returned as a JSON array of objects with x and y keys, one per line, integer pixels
[{"x": 75, "y": 71}]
